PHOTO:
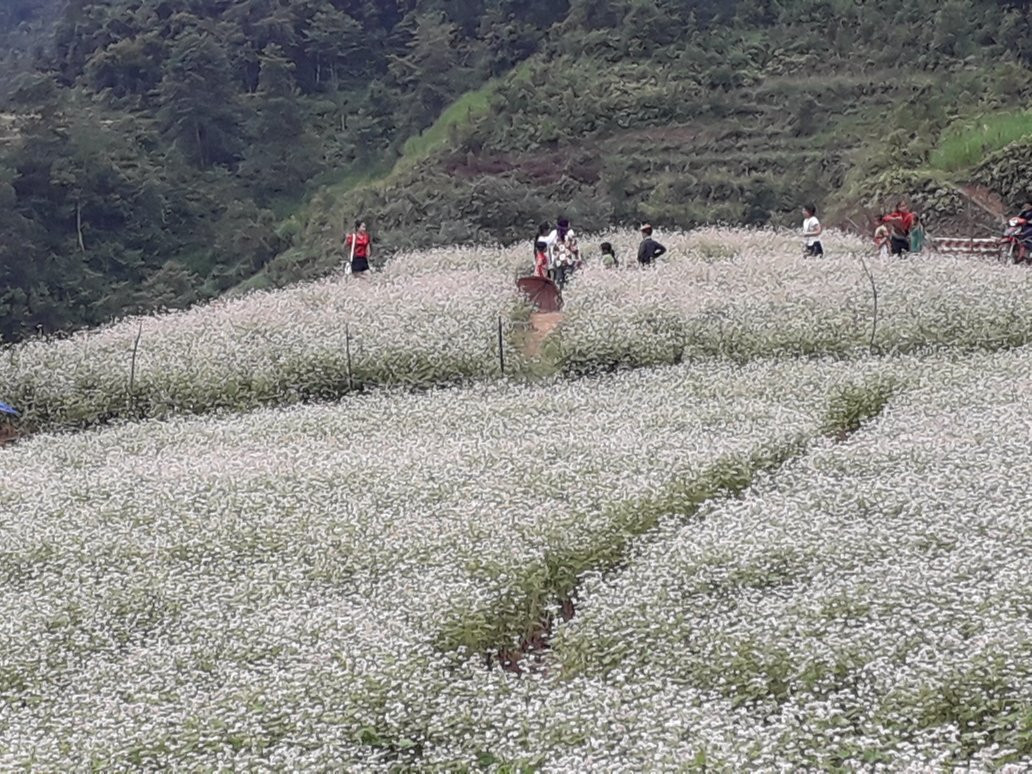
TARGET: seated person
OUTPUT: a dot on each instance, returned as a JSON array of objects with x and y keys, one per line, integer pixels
[{"x": 1026, "y": 230}]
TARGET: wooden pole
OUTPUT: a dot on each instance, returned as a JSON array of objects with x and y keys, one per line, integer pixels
[
  {"x": 132, "y": 366},
  {"x": 78, "y": 226},
  {"x": 874, "y": 292},
  {"x": 501, "y": 347},
  {"x": 347, "y": 350}
]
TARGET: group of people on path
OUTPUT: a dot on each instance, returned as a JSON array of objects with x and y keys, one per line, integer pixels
[{"x": 557, "y": 254}]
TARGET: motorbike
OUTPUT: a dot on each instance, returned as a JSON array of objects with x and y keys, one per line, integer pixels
[{"x": 1014, "y": 248}]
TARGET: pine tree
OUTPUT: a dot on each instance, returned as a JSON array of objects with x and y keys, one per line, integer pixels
[
  {"x": 198, "y": 100},
  {"x": 282, "y": 153}
]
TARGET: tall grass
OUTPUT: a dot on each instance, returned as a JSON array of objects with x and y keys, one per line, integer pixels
[{"x": 966, "y": 143}]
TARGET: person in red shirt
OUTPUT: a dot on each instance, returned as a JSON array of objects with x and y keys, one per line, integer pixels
[
  {"x": 359, "y": 246},
  {"x": 540, "y": 258},
  {"x": 900, "y": 223}
]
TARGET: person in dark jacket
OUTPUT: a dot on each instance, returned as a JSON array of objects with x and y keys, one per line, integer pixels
[{"x": 649, "y": 249}]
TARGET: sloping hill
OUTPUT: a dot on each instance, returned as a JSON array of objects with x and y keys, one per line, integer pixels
[
  {"x": 169, "y": 154},
  {"x": 741, "y": 123},
  {"x": 776, "y": 552}
]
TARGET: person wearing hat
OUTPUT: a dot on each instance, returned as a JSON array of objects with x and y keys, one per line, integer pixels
[{"x": 649, "y": 249}]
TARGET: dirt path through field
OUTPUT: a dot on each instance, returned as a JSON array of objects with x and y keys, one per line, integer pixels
[
  {"x": 7, "y": 435},
  {"x": 541, "y": 325}
]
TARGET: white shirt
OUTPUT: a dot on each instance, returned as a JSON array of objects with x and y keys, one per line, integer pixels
[{"x": 812, "y": 230}]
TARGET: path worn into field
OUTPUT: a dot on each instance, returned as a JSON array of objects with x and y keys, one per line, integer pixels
[
  {"x": 541, "y": 326},
  {"x": 8, "y": 434}
]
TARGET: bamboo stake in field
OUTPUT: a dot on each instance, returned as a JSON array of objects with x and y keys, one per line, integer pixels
[
  {"x": 354, "y": 238},
  {"x": 874, "y": 292},
  {"x": 132, "y": 367},
  {"x": 501, "y": 348},
  {"x": 347, "y": 353}
]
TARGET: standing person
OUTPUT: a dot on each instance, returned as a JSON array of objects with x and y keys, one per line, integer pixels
[
  {"x": 649, "y": 249},
  {"x": 565, "y": 252},
  {"x": 609, "y": 256},
  {"x": 812, "y": 232},
  {"x": 540, "y": 258},
  {"x": 546, "y": 236},
  {"x": 1026, "y": 228},
  {"x": 542, "y": 236},
  {"x": 881, "y": 240},
  {"x": 900, "y": 222},
  {"x": 360, "y": 246},
  {"x": 917, "y": 235}
]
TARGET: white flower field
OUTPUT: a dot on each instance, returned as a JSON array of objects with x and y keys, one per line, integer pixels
[
  {"x": 432, "y": 318},
  {"x": 758, "y": 544}
]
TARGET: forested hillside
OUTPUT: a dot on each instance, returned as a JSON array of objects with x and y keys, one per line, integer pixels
[
  {"x": 24, "y": 35},
  {"x": 166, "y": 151}
]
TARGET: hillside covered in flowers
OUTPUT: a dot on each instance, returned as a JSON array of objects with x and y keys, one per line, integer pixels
[{"x": 728, "y": 517}]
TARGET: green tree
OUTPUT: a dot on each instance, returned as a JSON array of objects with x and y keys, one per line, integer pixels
[
  {"x": 431, "y": 68},
  {"x": 128, "y": 67},
  {"x": 246, "y": 241},
  {"x": 198, "y": 102},
  {"x": 281, "y": 154},
  {"x": 335, "y": 41},
  {"x": 23, "y": 284}
]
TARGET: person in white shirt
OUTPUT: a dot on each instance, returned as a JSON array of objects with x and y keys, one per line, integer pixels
[{"x": 812, "y": 232}]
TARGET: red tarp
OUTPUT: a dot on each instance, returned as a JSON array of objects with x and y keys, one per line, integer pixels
[{"x": 542, "y": 293}]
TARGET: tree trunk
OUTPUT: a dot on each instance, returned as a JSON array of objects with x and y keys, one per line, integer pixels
[
  {"x": 78, "y": 226},
  {"x": 200, "y": 145}
]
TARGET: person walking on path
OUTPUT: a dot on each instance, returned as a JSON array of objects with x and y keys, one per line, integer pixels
[
  {"x": 546, "y": 236},
  {"x": 812, "y": 232},
  {"x": 540, "y": 258},
  {"x": 565, "y": 251},
  {"x": 649, "y": 249},
  {"x": 360, "y": 247}
]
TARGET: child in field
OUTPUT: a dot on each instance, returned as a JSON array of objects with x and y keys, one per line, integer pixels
[
  {"x": 812, "y": 232},
  {"x": 881, "y": 240},
  {"x": 917, "y": 235},
  {"x": 608, "y": 256},
  {"x": 540, "y": 258}
]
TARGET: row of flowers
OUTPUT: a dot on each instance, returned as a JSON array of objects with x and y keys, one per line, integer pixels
[
  {"x": 432, "y": 318},
  {"x": 268, "y": 588}
]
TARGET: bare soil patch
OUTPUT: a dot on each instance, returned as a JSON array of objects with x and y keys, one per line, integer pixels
[{"x": 541, "y": 326}]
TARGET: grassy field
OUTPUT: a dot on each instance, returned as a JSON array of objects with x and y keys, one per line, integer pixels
[
  {"x": 965, "y": 144},
  {"x": 711, "y": 517}
]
